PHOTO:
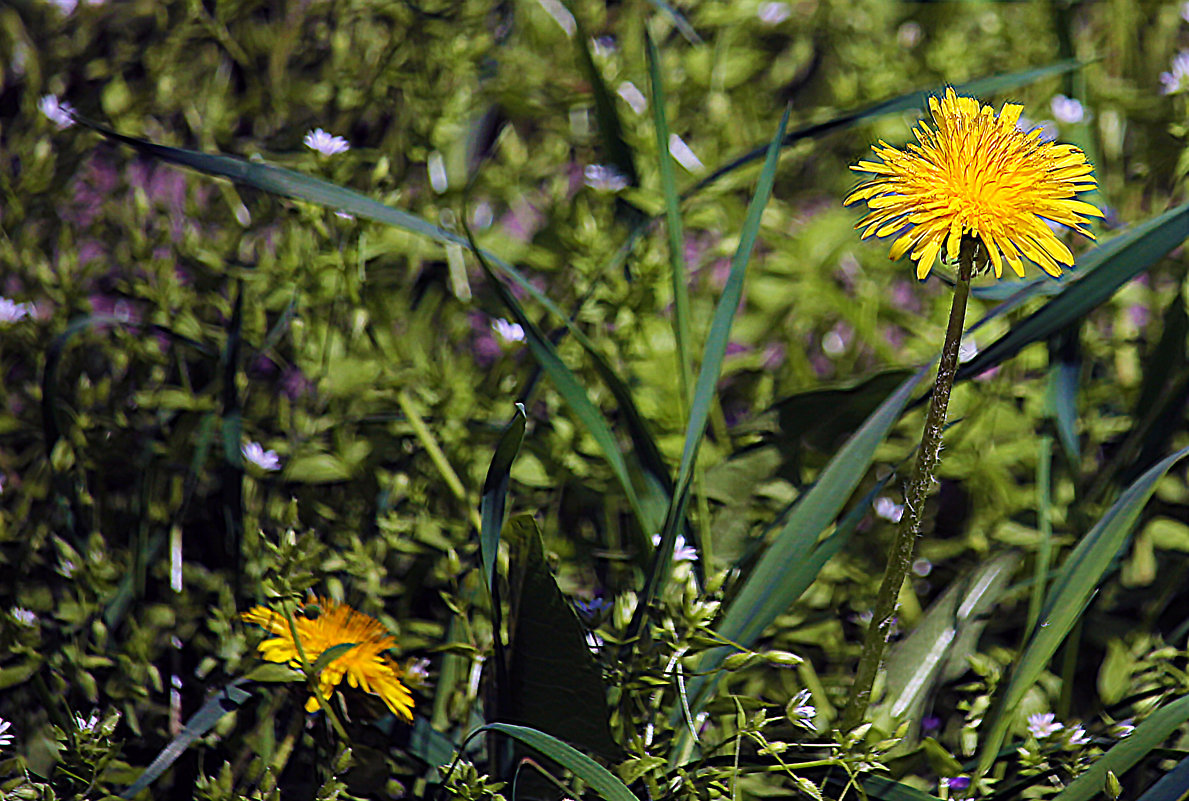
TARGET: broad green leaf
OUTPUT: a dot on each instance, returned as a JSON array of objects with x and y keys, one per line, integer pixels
[
  {"x": 1147, "y": 736},
  {"x": 495, "y": 490},
  {"x": 221, "y": 703},
  {"x": 598, "y": 778},
  {"x": 317, "y": 468},
  {"x": 555, "y": 684},
  {"x": 706, "y": 387},
  {"x": 1080, "y": 577},
  {"x": 889, "y": 790},
  {"x": 1106, "y": 268}
]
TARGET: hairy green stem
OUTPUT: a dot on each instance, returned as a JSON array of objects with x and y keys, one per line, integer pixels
[{"x": 900, "y": 559}]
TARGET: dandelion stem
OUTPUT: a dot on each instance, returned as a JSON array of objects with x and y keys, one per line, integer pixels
[{"x": 900, "y": 559}]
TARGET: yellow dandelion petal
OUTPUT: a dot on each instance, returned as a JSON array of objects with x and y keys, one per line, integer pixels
[
  {"x": 366, "y": 664},
  {"x": 974, "y": 173}
]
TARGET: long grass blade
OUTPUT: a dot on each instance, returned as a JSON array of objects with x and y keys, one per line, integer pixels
[
  {"x": 598, "y": 778},
  {"x": 791, "y": 563},
  {"x": 495, "y": 491},
  {"x": 223, "y": 702},
  {"x": 1106, "y": 268},
  {"x": 1067, "y": 599},
  {"x": 707, "y": 383}
]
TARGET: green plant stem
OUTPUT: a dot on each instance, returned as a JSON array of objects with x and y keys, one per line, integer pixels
[
  {"x": 900, "y": 559},
  {"x": 430, "y": 443},
  {"x": 311, "y": 677}
]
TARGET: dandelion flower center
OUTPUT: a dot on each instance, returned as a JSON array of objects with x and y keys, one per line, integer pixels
[
  {"x": 366, "y": 665},
  {"x": 976, "y": 174}
]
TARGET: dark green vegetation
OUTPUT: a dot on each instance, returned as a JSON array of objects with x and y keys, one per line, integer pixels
[{"x": 710, "y": 355}]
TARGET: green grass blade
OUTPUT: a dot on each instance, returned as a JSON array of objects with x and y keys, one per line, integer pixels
[
  {"x": 598, "y": 778},
  {"x": 1127, "y": 752},
  {"x": 570, "y": 389},
  {"x": 1067, "y": 599},
  {"x": 1172, "y": 786},
  {"x": 1106, "y": 268},
  {"x": 225, "y": 701},
  {"x": 905, "y": 102},
  {"x": 681, "y": 322},
  {"x": 291, "y": 184},
  {"x": 679, "y": 20},
  {"x": 495, "y": 491},
  {"x": 788, "y": 566},
  {"x": 615, "y": 146},
  {"x": 707, "y": 384}
]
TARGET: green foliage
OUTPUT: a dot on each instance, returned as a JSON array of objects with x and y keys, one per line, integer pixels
[{"x": 180, "y": 315}]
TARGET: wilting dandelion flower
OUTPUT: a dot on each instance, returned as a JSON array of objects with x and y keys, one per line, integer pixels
[
  {"x": 325, "y": 143},
  {"x": 365, "y": 664},
  {"x": 976, "y": 175},
  {"x": 5, "y": 737},
  {"x": 1043, "y": 724},
  {"x": 255, "y": 453}
]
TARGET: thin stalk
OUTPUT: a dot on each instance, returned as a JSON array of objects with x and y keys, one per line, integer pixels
[
  {"x": 311, "y": 677},
  {"x": 1044, "y": 554},
  {"x": 900, "y": 559},
  {"x": 436, "y": 455}
]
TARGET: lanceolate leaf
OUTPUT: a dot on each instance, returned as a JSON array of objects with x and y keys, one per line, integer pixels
[
  {"x": 495, "y": 490},
  {"x": 1080, "y": 577},
  {"x": 555, "y": 684}
]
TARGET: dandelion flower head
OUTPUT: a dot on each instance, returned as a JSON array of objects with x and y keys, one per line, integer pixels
[
  {"x": 366, "y": 665},
  {"x": 977, "y": 174}
]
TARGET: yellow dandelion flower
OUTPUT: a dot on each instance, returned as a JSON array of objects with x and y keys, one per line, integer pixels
[
  {"x": 977, "y": 174},
  {"x": 366, "y": 666}
]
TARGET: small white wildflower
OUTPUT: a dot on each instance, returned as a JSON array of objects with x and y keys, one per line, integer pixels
[
  {"x": 435, "y": 165},
  {"x": 1123, "y": 728},
  {"x": 833, "y": 343},
  {"x": 604, "y": 178},
  {"x": 1048, "y": 128},
  {"x": 509, "y": 332},
  {"x": 11, "y": 312},
  {"x": 1043, "y": 724},
  {"x": 801, "y": 712},
  {"x": 1067, "y": 110},
  {"x": 1173, "y": 80},
  {"x": 888, "y": 509},
  {"x": 325, "y": 143},
  {"x": 682, "y": 551},
  {"x": 684, "y": 156},
  {"x": 1076, "y": 736},
  {"x": 909, "y": 35},
  {"x": 594, "y": 642},
  {"x": 1185, "y": 11},
  {"x": 5, "y": 738},
  {"x": 774, "y": 13},
  {"x": 922, "y": 567},
  {"x": 65, "y": 6},
  {"x": 23, "y": 616},
  {"x": 56, "y": 111},
  {"x": 633, "y": 97},
  {"x": 967, "y": 350},
  {"x": 87, "y": 724},
  {"x": 417, "y": 671},
  {"x": 255, "y": 453}
]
